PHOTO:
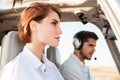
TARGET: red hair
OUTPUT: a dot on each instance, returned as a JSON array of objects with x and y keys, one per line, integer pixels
[{"x": 37, "y": 11}]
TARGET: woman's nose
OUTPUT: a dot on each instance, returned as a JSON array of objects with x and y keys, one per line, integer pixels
[{"x": 59, "y": 30}]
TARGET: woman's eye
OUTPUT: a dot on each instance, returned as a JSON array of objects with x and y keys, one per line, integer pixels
[{"x": 54, "y": 23}]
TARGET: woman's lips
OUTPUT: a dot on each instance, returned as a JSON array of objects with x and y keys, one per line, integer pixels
[{"x": 58, "y": 38}]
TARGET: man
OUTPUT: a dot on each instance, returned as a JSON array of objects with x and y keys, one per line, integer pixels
[{"x": 74, "y": 68}]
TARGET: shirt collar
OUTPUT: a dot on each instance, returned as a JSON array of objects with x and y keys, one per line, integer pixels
[
  {"x": 33, "y": 60},
  {"x": 77, "y": 60}
]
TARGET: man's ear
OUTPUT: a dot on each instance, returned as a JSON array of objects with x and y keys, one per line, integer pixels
[{"x": 33, "y": 25}]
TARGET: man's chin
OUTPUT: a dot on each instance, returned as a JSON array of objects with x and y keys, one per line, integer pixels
[{"x": 88, "y": 58}]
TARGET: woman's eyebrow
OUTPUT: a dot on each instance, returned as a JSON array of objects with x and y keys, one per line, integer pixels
[{"x": 55, "y": 20}]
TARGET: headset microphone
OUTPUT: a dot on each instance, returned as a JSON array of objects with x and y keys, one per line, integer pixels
[{"x": 95, "y": 58}]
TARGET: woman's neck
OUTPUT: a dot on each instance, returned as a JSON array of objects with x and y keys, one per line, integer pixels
[{"x": 36, "y": 50}]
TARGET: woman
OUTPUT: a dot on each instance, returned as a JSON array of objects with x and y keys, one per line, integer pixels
[{"x": 39, "y": 26}]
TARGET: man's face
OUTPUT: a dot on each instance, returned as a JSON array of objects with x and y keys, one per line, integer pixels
[{"x": 88, "y": 49}]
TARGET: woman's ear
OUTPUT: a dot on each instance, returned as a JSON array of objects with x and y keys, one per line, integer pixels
[{"x": 33, "y": 25}]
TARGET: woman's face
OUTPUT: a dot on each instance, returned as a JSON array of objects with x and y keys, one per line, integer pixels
[{"x": 49, "y": 29}]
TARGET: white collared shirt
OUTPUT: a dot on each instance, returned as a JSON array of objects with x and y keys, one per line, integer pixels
[
  {"x": 74, "y": 69},
  {"x": 26, "y": 66}
]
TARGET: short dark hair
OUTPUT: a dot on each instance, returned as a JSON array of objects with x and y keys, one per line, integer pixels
[{"x": 83, "y": 36}]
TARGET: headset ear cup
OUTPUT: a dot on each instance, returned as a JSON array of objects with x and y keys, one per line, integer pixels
[{"x": 76, "y": 43}]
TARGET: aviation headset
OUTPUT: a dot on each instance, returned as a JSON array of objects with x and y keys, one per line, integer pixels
[
  {"x": 77, "y": 43},
  {"x": 80, "y": 38},
  {"x": 77, "y": 40}
]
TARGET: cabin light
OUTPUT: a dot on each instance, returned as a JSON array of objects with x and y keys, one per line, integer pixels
[{"x": 81, "y": 16}]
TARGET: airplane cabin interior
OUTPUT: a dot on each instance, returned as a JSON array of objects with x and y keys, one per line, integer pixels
[{"x": 101, "y": 13}]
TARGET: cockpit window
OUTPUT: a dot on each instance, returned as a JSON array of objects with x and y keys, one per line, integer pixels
[{"x": 2, "y": 5}]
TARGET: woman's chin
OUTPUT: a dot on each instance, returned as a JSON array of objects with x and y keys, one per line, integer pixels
[{"x": 54, "y": 45}]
